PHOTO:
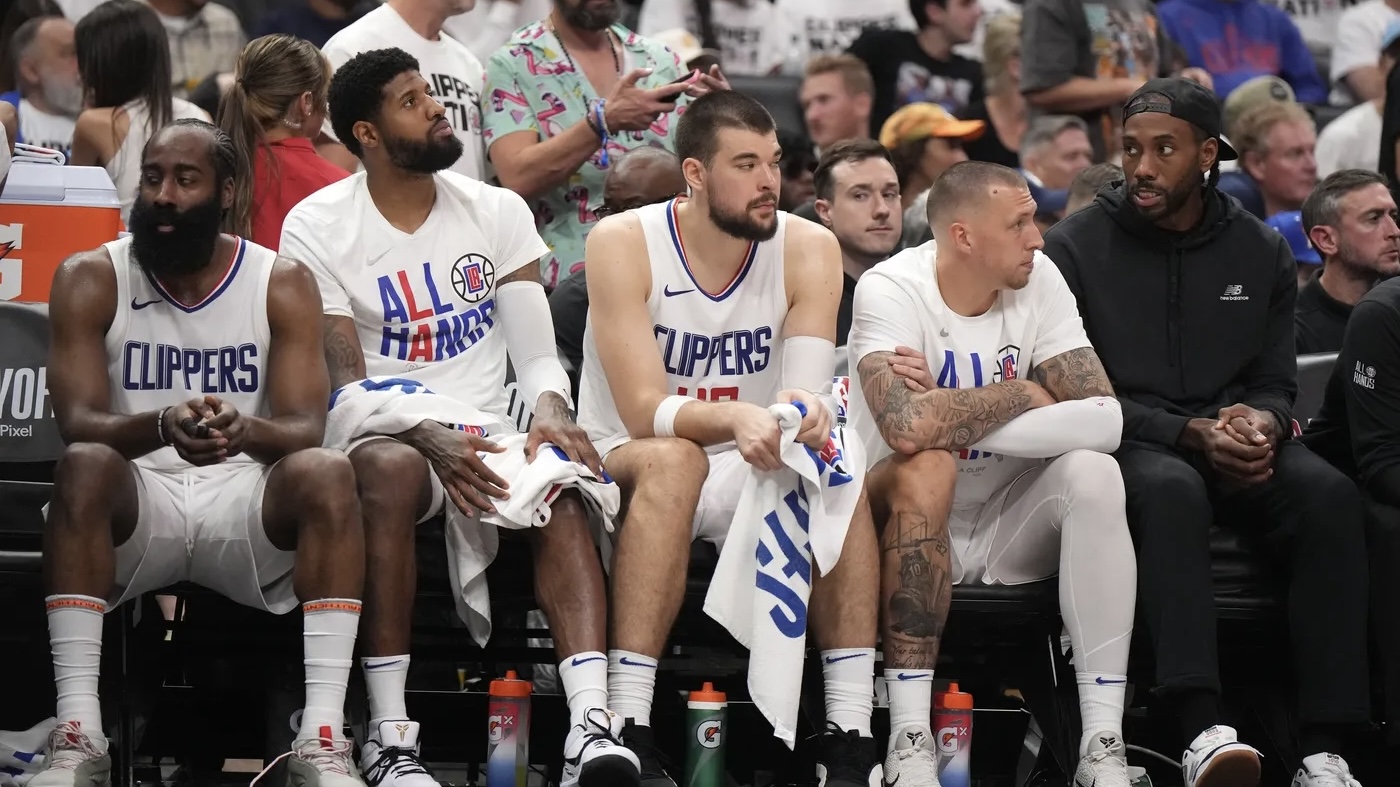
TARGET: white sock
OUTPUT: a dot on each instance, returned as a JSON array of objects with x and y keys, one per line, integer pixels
[
  {"x": 1101, "y": 699},
  {"x": 328, "y": 637},
  {"x": 75, "y": 636},
  {"x": 585, "y": 679},
  {"x": 385, "y": 678},
  {"x": 631, "y": 685},
  {"x": 848, "y": 675},
  {"x": 911, "y": 699}
]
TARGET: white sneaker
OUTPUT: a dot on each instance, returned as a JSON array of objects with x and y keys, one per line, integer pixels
[
  {"x": 1320, "y": 770},
  {"x": 1217, "y": 759},
  {"x": 317, "y": 762},
  {"x": 74, "y": 760},
  {"x": 913, "y": 762},
  {"x": 594, "y": 755},
  {"x": 389, "y": 757},
  {"x": 1106, "y": 764}
]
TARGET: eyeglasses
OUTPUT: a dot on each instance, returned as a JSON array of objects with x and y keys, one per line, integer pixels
[{"x": 607, "y": 209}]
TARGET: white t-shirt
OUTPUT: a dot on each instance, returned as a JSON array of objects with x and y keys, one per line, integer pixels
[
  {"x": 1359, "y": 32},
  {"x": 487, "y": 27},
  {"x": 453, "y": 71},
  {"x": 897, "y": 303},
  {"x": 37, "y": 127},
  {"x": 424, "y": 304},
  {"x": 1316, "y": 19},
  {"x": 1352, "y": 141},
  {"x": 752, "y": 42}
]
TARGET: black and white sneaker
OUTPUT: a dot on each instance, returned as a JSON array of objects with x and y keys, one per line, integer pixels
[
  {"x": 847, "y": 759},
  {"x": 642, "y": 742},
  {"x": 594, "y": 755},
  {"x": 389, "y": 758}
]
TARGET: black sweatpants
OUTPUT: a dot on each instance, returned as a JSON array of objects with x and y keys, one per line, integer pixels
[
  {"x": 1310, "y": 519},
  {"x": 1383, "y": 544}
]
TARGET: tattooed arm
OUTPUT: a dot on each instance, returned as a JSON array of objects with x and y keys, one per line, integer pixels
[
  {"x": 1087, "y": 415},
  {"x": 344, "y": 357},
  {"x": 949, "y": 419}
]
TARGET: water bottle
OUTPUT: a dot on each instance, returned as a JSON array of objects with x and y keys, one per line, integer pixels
[
  {"x": 704, "y": 754},
  {"x": 508, "y": 733},
  {"x": 952, "y": 731}
]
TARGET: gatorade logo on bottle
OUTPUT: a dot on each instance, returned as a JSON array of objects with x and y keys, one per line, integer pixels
[
  {"x": 497, "y": 726},
  {"x": 948, "y": 739},
  {"x": 708, "y": 734}
]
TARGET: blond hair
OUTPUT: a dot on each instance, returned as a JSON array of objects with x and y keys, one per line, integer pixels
[
  {"x": 1251, "y": 132},
  {"x": 854, "y": 73},
  {"x": 1001, "y": 43}
]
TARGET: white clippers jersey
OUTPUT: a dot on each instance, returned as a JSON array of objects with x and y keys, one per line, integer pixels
[
  {"x": 161, "y": 352},
  {"x": 725, "y": 346},
  {"x": 424, "y": 304},
  {"x": 898, "y": 303}
]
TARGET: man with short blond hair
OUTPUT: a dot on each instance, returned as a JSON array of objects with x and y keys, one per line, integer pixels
[
  {"x": 837, "y": 94},
  {"x": 1276, "y": 143}
]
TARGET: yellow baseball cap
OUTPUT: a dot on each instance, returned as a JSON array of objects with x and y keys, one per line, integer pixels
[{"x": 913, "y": 122}]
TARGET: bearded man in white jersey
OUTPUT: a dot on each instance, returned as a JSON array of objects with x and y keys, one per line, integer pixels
[
  {"x": 189, "y": 382},
  {"x": 1005, "y": 448},
  {"x": 432, "y": 276},
  {"x": 704, "y": 312}
]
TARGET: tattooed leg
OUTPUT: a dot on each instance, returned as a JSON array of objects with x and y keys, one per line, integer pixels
[{"x": 915, "y": 494}]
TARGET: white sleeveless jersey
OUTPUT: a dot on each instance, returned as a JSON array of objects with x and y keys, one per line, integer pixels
[
  {"x": 724, "y": 346},
  {"x": 161, "y": 352}
]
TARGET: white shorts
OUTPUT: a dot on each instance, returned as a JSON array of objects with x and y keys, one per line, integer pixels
[
  {"x": 719, "y": 497},
  {"x": 205, "y": 527},
  {"x": 1014, "y": 537}
]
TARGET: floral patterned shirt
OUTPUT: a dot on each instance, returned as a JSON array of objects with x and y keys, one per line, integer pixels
[{"x": 532, "y": 86}]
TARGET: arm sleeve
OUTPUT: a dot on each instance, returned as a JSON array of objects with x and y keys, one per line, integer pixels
[
  {"x": 882, "y": 318},
  {"x": 1357, "y": 46},
  {"x": 1299, "y": 67},
  {"x": 523, "y": 311},
  {"x": 505, "y": 106},
  {"x": 1140, "y": 422},
  {"x": 1370, "y": 367},
  {"x": 521, "y": 243},
  {"x": 306, "y": 240},
  {"x": 1049, "y": 45},
  {"x": 1094, "y": 424},
  {"x": 1271, "y": 381}
]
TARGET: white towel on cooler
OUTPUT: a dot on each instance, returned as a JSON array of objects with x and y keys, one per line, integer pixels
[
  {"x": 390, "y": 405},
  {"x": 787, "y": 524}
]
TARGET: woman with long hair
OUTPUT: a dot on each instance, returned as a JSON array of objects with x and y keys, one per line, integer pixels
[
  {"x": 124, "y": 62},
  {"x": 273, "y": 112}
]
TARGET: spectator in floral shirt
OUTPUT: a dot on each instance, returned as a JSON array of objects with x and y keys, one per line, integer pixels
[{"x": 567, "y": 96}]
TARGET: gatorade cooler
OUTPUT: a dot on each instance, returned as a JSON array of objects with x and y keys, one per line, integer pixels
[{"x": 47, "y": 214}]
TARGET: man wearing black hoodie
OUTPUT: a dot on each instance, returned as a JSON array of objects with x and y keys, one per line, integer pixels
[{"x": 1189, "y": 301}]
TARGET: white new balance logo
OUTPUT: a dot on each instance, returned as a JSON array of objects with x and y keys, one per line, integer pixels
[{"x": 1234, "y": 292}]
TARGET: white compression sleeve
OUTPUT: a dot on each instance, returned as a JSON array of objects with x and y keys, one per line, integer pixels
[
  {"x": 1093, "y": 424},
  {"x": 808, "y": 364},
  {"x": 523, "y": 311}
]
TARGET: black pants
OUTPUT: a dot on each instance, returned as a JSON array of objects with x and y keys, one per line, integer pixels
[
  {"x": 1383, "y": 544},
  {"x": 1310, "y": 519}
]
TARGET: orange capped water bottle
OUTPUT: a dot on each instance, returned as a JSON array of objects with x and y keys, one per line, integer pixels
[
  {"x": 952, "y": 732},
  {"x": 508, "y": 732}
]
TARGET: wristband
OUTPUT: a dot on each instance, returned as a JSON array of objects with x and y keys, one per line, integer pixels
[
  {"x": 160, "y": 427},
  {"x": 663, "y": 422},
  {"x": 599, "y": 112}
]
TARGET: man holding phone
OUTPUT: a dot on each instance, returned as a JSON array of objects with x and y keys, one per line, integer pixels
[{"x": 565, "y": 98}]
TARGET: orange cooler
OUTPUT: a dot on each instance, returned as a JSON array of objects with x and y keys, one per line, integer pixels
[{"x": 47, "y": 214}]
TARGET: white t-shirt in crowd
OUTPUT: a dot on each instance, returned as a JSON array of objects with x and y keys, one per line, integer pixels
[
  {"x": 897, "y": 303},
  {"x": 455, "y": 74},
  {"x": 424, "y": 303},
  {"x": 1352, "y": 141},
  {"x": 487, "y": 27},
  {"x": 1316, "y": 19},
  {"x": 1359, "y": 32},
  {"x": 37, "y": 127}
]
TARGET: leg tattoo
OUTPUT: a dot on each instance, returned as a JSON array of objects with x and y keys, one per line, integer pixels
[{"x": 919, "y": 594}]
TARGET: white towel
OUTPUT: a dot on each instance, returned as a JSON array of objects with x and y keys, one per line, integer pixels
[
  {"x": 786, "y": 523},
  {"x": 33, "y": 154},
  {"x": 22, "y": 753},
  {"x": 390, "y": 405}
]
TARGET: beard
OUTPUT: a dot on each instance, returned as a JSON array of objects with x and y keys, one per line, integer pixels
[
  {"x": 742, "y": 226},
  {"x": 66, "y": 96},
  {"x": 577, "y": 14},
  {"x": 183, "y": 250},
  {"x": 1173, "y": 200},
  {"x": 424, "y": 156}
]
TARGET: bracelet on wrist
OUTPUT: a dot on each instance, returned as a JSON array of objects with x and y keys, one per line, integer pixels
[{"x": 160, "y": 428}]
